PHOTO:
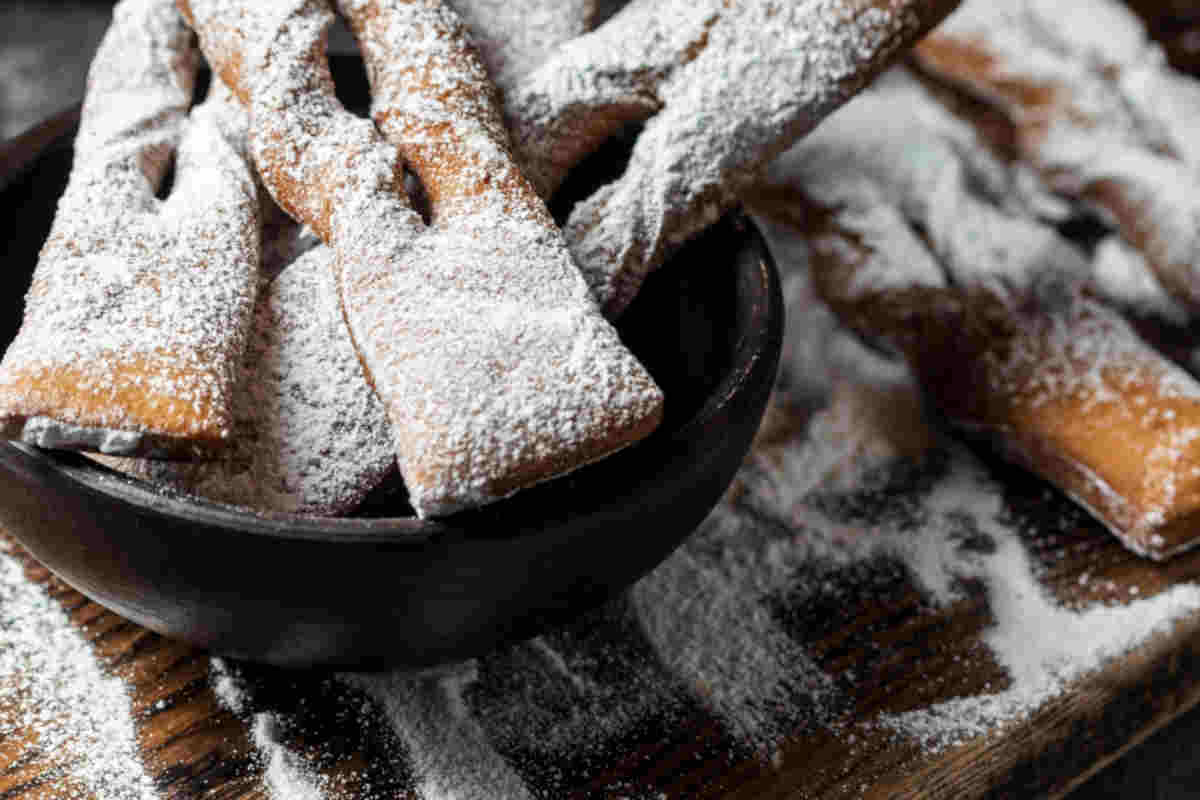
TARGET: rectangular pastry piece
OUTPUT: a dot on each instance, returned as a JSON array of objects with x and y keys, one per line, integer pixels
[{"x": 139, "y": 307}]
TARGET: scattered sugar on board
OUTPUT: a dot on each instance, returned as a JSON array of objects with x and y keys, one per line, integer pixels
[
  {"x": 1042, "y": 645},
  {"x": 703, "y": 612},
  {"x": 53, "y": 686},
  {"x": 497, "y": 727},
  {"x": 448, "y": 749},
  {"x": 286, "y": 775}
]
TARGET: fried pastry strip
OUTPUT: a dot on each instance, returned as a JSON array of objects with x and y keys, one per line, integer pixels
[
  {"x": 311, "y": 435},
  {"x": 1054, "y": 380},
  {"x": 1097, "y": 111},
  {"x": 139, "y": 307},
  {"x": 496, "y": 369},
  {"x": 723, "y": 88}
]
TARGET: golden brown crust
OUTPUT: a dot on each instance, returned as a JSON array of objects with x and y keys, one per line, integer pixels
[
  {"x": 133, "y": 404},
  {"x": 138, "y": 305}
]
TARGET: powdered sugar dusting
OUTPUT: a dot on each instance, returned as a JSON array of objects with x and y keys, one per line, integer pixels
[
  {"x": 1090, "y": 353},
  {"x": 501, "y": 728},
  {"x": 1092, "y": 101},
  {"x": 53, "y": 687},
  {"x": 449, "y": 751},
  {"x": 311, "y": 435},
  {"x": 1122, "y": 277},
  {"x": 704, "y": 612},
  {"x": 1043, "y": 647},
  {"x": 314, "y": 156},
  {"x": 531, "y": 382},
  {"x": 1081, "y": 385},
  {"x": 570, "y": 387},
  {"x": 286, "y": 776},
  {"x": 893, "y": 160},
  {"x": 1059, "y": 381},
  {"x": 766, "y": 540},
  {"x": 687, "y": 65},
  {"x": 772, "y": 538},
  {"x": 139, "y": 308},
  {"x": 962, "y": 531},
  {"x": 482, "y": 400},
  {"x": 1167, "y": 102},
  {"x": 513, "y": 38},
  {"x": 1110, "y": 39}
]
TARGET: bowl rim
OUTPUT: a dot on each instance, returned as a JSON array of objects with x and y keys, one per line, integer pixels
[{"x": 96, "y": 479}]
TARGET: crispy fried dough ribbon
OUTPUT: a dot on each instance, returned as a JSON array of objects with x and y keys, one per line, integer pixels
[
  {"x": 496, "y": 369},
  {"x": 1097, "y": 111},
  {"x": 988, "y": 308},
  {"x": 139, "y": 307},
  {"x": 723, "y": 87}
]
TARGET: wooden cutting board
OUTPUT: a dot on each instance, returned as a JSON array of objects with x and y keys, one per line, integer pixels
[{"x": 906, "y": 654}]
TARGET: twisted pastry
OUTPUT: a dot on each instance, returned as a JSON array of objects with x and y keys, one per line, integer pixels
[
  {"x": 139, "y": 307},
  {"x": 494, "y": 365},
  {"x": 1097, "y": 113},
  {"x": 1000, "y": 334},
  {"x": 312, "y": 436},
  {"x": 724, "y": 86},
  {"x": 893, "y": 159}
]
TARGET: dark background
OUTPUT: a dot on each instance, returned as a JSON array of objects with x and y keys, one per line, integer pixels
[{"x": 45, "y": 47}]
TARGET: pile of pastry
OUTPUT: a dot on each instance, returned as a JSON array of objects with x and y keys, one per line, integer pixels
[
  {"x": 1016, "y": 214},
  {"x": 286, "y": 319},
  {"x": 280, "y": 325}
]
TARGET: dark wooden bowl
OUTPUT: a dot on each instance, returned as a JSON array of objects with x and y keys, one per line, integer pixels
[{"x": 388, "y": 589}]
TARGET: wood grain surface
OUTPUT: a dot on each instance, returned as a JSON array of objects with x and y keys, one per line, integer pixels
[
  {"x": 191, "y": 746},
  {"x": 905, "y": 653}
]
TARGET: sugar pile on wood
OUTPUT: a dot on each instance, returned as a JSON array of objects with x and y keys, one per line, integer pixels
[
  {"x": 285, "y": 773},
  {"x": 54, "y": 691},
  {"x": 450, "y": 754}
]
